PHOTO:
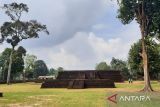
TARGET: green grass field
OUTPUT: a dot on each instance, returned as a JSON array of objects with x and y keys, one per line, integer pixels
[{"x": 30, "y": 95}]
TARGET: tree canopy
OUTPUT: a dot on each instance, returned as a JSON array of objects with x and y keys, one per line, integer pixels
[
  {"x": 102, "y": 66},
  {"x": 40, "y": 69},
  {"x": 16, "y": 30},
  {"x": 132, "y": 10},
  {"x": 17, "y": 65},
  {"x": 117, "y": 64},
  {"x": 29, "y": 61},
  {"x": 135, "y": 60}
]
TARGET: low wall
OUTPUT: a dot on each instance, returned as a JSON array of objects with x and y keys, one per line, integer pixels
[
  {"x": 55, "y": 84},
  {"x": 103, "y": 83}
]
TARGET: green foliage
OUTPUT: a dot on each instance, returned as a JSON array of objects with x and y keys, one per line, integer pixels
[
  {"x": 4, "y": 59},
  {"x": 52, "y": 71},
  {"x": 117, "y": 64},
  {"x": 132, "y": 9},
  {"x": 14, "y": 10},
  {"x": 29, "y": 65},
  {"x": 102, "y": 66},
  {"x": 135, "y": 60},
  {"x": 18, "y": 62},
  {"x": 40, "y": 69},
  {"x": 60, "y": 69}
]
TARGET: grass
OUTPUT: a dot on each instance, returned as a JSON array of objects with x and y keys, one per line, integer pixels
[{"x": 30, "y": 95}]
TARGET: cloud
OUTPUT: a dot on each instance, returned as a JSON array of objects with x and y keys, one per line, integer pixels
[
  {"x": 86, "y": 49},
  {"x": 83, "y": 32},
  {"x": 64, "y": 18},
  {"x": 99, "y": 27}
]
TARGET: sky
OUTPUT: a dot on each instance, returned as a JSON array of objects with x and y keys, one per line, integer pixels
[{"x": 82, "y": 32}]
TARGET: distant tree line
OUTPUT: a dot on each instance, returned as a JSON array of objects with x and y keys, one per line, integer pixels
[
  {"x": 115, "y": 64},
  {"x": 24, "y": 66}
]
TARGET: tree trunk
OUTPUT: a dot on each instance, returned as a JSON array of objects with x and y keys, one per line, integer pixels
[
  {"x": 24, "y": 76},
  {"x": 147, "y": 84},
  {"x": 10, "y": 66},
  {"x": 143, "y": 25}
]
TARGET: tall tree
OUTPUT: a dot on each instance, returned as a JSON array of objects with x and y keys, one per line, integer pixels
[
  {"x": 16, "y": 30},
  {"x": 147, "y": 15}
]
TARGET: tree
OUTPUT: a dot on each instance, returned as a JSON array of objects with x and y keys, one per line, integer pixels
[
  {"x": 147, "y": 15},
  {"x": 16, "y": 30},
  {"x": 135, "y": 60},
  {"x": 60, "y": 69},
  {"x": 4, "y": 59},
  {"x": 117, "y": 64},
  {"x": 40, "y": 69},
  {"x": 52, "y": 71},
  {"x": 102, "y": 66},
  {"x": 17, "y": 65},
  {"x": 18, "y": 61},
  {"x": 29, "y": 61}
]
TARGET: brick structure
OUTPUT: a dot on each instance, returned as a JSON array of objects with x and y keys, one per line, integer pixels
[{"x": 84, "y": 79}]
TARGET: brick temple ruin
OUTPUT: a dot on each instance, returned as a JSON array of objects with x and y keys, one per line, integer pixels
[{"x": 84, "y": 79}]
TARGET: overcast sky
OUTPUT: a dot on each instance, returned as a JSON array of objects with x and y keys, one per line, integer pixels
[{"x": 82, "y": 32}]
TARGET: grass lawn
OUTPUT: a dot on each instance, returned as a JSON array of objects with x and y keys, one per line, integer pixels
[{"x": 30, "y": 95}]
